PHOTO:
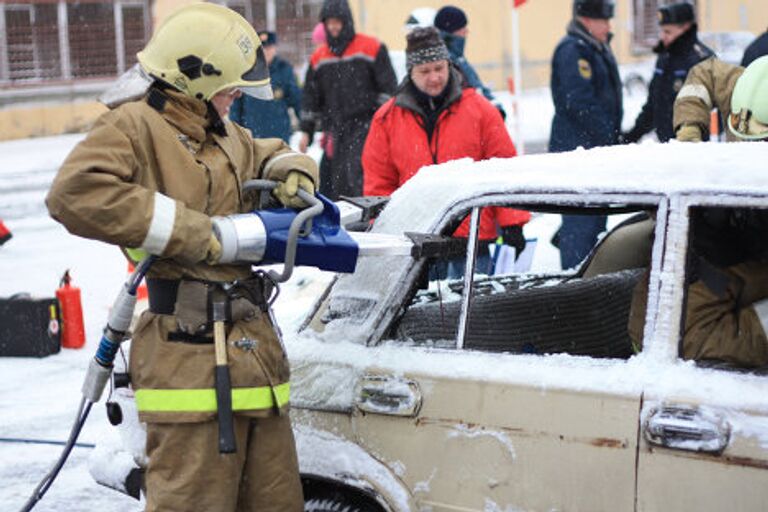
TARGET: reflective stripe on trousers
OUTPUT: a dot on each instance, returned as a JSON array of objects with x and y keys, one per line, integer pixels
[{"x": 204, "y": 400}]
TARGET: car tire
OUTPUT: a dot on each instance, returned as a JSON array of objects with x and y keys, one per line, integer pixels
[{"x": 330, "y": 505}]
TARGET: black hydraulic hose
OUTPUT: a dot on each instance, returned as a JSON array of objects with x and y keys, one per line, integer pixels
[
  {"x": 47, "y": 481},
  {"x": 24, "y": 440}
]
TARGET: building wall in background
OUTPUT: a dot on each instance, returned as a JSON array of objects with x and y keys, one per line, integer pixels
[{"x": 542, "y": 24}]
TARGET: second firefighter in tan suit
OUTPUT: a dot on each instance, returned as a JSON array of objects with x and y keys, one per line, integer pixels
[
  {"x": 151, "y": 174},
  {"x": 742, "y": 102}
]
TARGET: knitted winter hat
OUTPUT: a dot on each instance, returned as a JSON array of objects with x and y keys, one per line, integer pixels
[
  {"x": 424, "y": 45},
  {"x": 676, "y": 13},
  {"x": 450, "y": 19}
]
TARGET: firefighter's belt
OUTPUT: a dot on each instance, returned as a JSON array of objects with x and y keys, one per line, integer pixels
[
  {"x": 190, "y": 301},
  {"x": 204, "y": 400}
]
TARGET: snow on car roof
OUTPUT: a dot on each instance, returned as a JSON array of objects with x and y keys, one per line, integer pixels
[{"x": 638, "y": 168}]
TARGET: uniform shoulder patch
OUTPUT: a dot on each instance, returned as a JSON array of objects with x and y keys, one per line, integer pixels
[{"x": 585, "y": 70}]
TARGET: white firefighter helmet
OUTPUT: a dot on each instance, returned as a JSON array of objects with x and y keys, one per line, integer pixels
[
  {"x": 204, "y": 48},
  {"x": 749, "y": 102}
]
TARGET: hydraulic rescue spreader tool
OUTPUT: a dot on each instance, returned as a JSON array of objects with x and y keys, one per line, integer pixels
[{"x": 314, "y": 237}]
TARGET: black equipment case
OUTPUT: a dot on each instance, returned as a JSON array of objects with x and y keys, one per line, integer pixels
[{"x": 29, "y": 327}]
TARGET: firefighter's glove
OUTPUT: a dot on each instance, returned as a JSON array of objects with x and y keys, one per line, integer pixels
[
  {"x": 514, "y": 237},
  {"x": 286, "y": 191},
  {"x": 213, "y": 254},
  {"x": 688, "y": 133}
]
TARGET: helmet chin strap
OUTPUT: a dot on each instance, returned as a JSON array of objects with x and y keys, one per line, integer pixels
[{"x": 217, "y": 123}]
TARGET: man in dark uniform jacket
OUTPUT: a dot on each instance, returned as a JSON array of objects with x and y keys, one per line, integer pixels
[
  {"x": 756, "y": 49},
  {"x": 679, "y": 50},
  {"x": 586, "y": 90},
  {"x": 348, "y": 79}
]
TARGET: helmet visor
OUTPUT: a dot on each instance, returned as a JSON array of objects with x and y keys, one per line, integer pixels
[
  {"x": 260, "y": 92},
  {"x": 260, "y": 71},
  {"x": 744, "y": 125},
  {"x": 258, "y": 75}
]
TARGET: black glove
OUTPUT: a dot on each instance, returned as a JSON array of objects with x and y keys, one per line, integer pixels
[{"x": 513, "y": 236}]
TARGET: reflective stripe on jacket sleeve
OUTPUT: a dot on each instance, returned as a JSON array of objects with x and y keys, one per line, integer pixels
[{"x": 161, "y": 227}]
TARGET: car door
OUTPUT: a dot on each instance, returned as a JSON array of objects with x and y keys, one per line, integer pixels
[
  {"x": 704, "y": 442},
  {"x": 484, "y": 427}
]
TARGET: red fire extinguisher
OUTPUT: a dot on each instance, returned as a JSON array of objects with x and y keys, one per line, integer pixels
[{"x": 72, "y": 329}]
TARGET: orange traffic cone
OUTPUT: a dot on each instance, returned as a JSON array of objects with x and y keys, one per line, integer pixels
[
  {"x": 72, "y": 328},
  {"x": 141, "y": 292},
  {"x": 5, "y": 233}
]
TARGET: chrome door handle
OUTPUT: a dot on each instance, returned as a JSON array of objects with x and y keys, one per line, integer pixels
[
  {"x": 388, "y": 395},
  {"x": 687, "y": 428}
]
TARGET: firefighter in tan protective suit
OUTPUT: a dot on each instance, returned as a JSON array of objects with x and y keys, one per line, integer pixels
[
  {"x": 742, "y": 102},
  {"x": 726, "y": 311},
  {"x": 153, "y": 174}
]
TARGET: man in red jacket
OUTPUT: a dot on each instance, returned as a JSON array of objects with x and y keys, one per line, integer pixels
[{"x": 433, "y": 119}]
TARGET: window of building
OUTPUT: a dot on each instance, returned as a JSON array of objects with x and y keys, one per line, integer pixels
[
  {"x": 60, "y": 41},
  {"x": 645, "y": 23},
  {"x": 292, "y": 21}
]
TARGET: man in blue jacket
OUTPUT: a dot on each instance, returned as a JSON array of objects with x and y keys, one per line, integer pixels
[
  {"x": 679, "y": 49},
  {"x": 586, "y": 90},
  {"x": 270, "y": 118}
]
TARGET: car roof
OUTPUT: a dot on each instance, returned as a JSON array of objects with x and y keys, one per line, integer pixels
[
  {"x": 653, "y": 169},
  {"x": 639, "y": 168}
]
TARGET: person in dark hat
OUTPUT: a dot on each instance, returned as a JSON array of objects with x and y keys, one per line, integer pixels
[
  {"x": 348, "y": 78},
  {"x": 270, "y": 118},
  {"x": 586, "y": 90},
  {"x": 434, "y": 119},
  {"x": 679, "y": 49},
  {"x": 452, "y": 24}
]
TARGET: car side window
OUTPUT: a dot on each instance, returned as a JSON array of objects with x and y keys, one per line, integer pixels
[
  {"x": 725, "y": 316},
  {"x": 527, "y": 304}
]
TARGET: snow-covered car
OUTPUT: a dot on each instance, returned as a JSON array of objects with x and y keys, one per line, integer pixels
[{"x": 525, "y": 390}]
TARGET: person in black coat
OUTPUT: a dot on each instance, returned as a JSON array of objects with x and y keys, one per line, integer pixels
[
  {"x": 586, "y": 90},
  {"x": 679, "y": 49},
  {"x": 756, "y": 49},
  {"x": 348, "y": 79}
]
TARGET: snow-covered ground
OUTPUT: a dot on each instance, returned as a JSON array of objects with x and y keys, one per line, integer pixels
[{"x": 39, "y": 397}]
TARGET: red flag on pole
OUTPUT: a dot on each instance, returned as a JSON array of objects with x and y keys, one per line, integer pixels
[{"x": 518, "y": 3}]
